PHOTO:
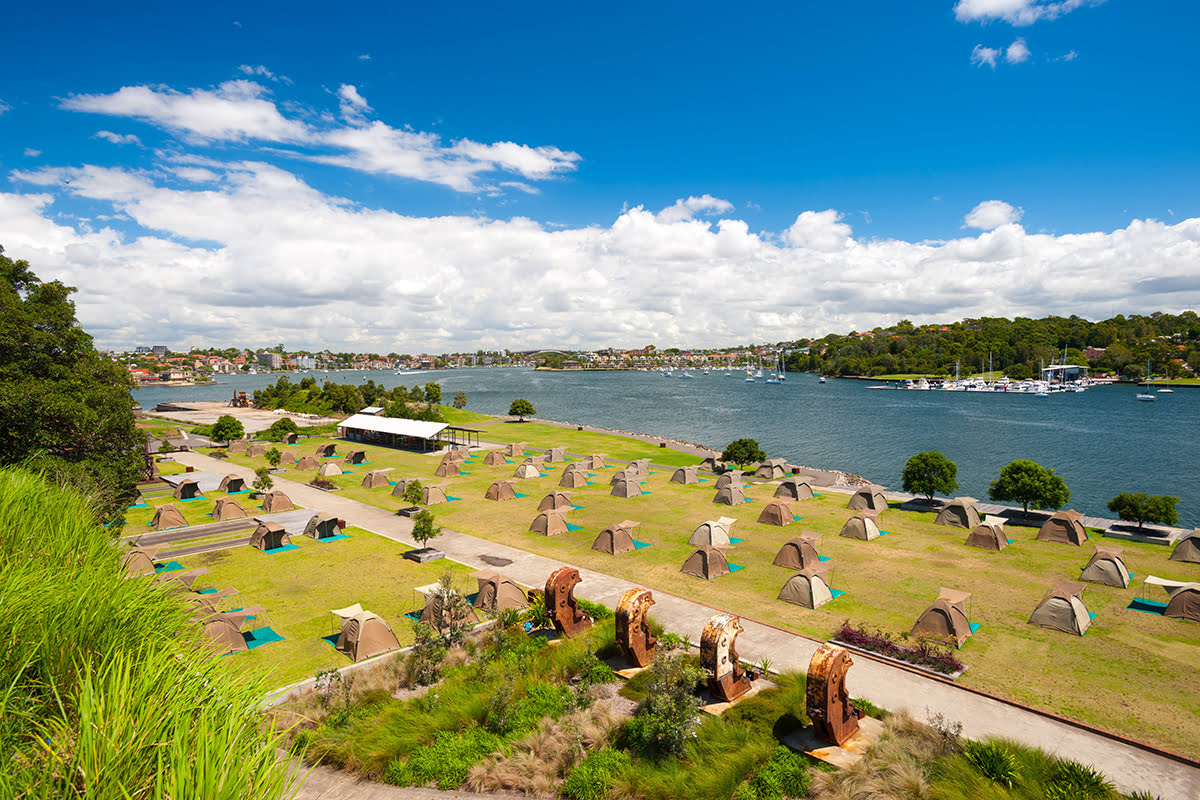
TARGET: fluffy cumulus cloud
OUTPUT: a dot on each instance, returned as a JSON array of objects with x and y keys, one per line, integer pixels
[
  {"x": 1016, "y": 12},
  {"x": 215, "y": 252},
  {"x": 981, "y": 56},
  {"x": 1017, "y": 52},
  {"x": 683, "y": 210},
  {"x": 118, "y": 138}
]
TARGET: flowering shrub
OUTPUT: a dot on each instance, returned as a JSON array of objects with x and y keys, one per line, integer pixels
[{"x": 921, "y": 651}]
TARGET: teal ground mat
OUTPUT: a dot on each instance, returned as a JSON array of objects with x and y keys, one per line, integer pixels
[
  {"x": 975, "y": 626},
  {"x": 347, "y": 472},
  {"x": 571, "y": 527},
  {"x": 1149, "y": 606},
  {"x": 884, "y": 533},
  {"x": 461, "y": 472},
  {"x": 243, "y": 491},
  {"x": 170, "y": 566},
  {"x": 518, "y": 494},
  {"x": 735, "y": 567},
  {"x": 391, "y": 483},
  {"x": 331, "y": 639},
  {"x": 337, "y": 538},
  {"x": 450, "y": 499},
  {"x": 639, "y": 545},
  {"x": 735, "y": 541},
  {"x": 207, "y": 591},
  {"x": 283, "y": 549},
  {"x": 1010, "y": 541},
  {"x": 139, "y": 505},
  {"x": 646, "y": 492},
  {"x": 750, "y": 500},
  {"x": 257, "y": 638},
  {"x": 361, "y": 464},
  {"x": 190, "y": 499},
  {"x": 796, "y": 519},
  {"x": 580, "y": 508},
  {"x": 822, "y": 558},
  {"x": 591, "y": 483},
  {"x": 837, "y": 593}
]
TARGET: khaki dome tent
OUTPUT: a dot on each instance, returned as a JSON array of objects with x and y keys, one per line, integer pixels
[
  {"x": 231, "y": 484},
  {"x": 139, "y": 561},
  {"x": 321, "y": 526},
  {"x": 772, "y": 469},
  {"x": 730, "y": 496},
  {"x": 432, "y": 495},
  {"x": 308, "y": 462},
  {"x": 709, "y": 463},
  {"x": 946, "y": 617},
  {"x": 501, "y": 490},
  {"x": 959, "y": 512},
  {"x": 794, "y": 489},
  {"x": 276, "y": 501},
  {"x": 809, "y": 587},
  {"x": 256, "y": 450},
  {"x": 1107, "y": 567},
  {"x": 988, "y": 536},
  {"x": 868, "y": 498},
  {"x": 434, "y": 613},
  {"x": 1185, "y": 598},
  {"x": 616, "y": 539},
  {"x": 227, "y": 508},
  {"x": 685, "y": 475},
  {"x": 626, "y": 488},
  {"x": 364, "y": 635},
  {"x": 514, "y": 450},
  {"x": 556, "y": 454},
  {"x": 459, "y": 454},
  {"x": 1065, "y": 527},
  {"x": 549, "y": 523},
  {"x": 187, "y": 489},
  {"x": 593, "y": 461},
  {"x": 400, "y": 487},
  {"x": 641, "y": 467},
  {"x": 238, "y": 446},
  {"x": 535, "y": 461},
  {"x": 1187, "y": 548},
  {"x": 861, "y": 526},
  {"x": 707, "y": 563},
  {"x": 448, "y": 469},
  {"x": 526, "y": 471},
  {"x": 167, "y": 516},
  {"x": 223, "y": 631},
  {"x": 1063, "y": 609},
  {"x": 556, "y": 501},
  {"x": 496, "y": 592},
  {"x": 325, "y": 450},
  {"x": 330, "y": 469},
  {"x": 205, "y": 604},
  {"x": 494, "y": 457},
  {"x": 729, "y": 479},
  {"x": 291, "y": 438},
  {"x": 355, "y": 457},
  {"x": 627, "y": 474},
  {"x": 290, "y": 456},
  {"x": 799, "y": 552},
  {"x": 713, "y": 533},
  {"x": 777, "y": 512},
  {"x": 184, "y": 580},
  {"x": 573, "y": 479},
  {"x": 269, "y": 536},
  {"x": 375, "y": 479}
]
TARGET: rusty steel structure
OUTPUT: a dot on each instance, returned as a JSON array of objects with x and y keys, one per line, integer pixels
[
  {"x": 561, "y": 604},
  {"x": 240, "y": 400},
  {"x": 727, "y": 681},
  {"x": 826, "y": 697},
  {"x": 633, "y": 630}
]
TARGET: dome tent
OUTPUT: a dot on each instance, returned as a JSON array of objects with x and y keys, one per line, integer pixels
[
  {"x": 1063, "y": 609},
  {"x": 868, "y": 498},
  {"x": 861, "y": 526},
  {"x": 988, "y": 536},
  {"x": 1065, "y": 527},
  {"x": 808, "y": 588},
  {"x": 616, "y": 539},
  {"x": 799, "y": 552},
  {"x": 1107, "y": 567},
  {"x": 959, "y": 512},
  {"x": 707, "y": 563},
  {"x": 713, "y": 533},
  {"x": 794, "y": 489},
  {"x": 945, "y": 618}
]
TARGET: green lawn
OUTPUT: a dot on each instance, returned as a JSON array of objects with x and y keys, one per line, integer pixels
[
  {"x": 1133, "y": 672},
  {"x": 538, "y": 435}
]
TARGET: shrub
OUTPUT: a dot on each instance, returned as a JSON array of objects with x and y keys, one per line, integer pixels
[
  {"x": 321, "y": 483},
  {"x": 273, "y": 457},
  {"x": 521, "y": 408},
  {"x": 664, "y": 720},
  {"x": 424, "y": 529},
  {"x": 994, "y": 761},
  {"x": 262, "y": 479},
  {"x": 414, "y": 492},
  {"x": 426, "y": 657},
  {"x": 446, "y": 761},
  {"x": 923, "y": 653},
  {"x": 227, "y": 428},
  {"x": 784, "y": 775},
  {"x": 596, "y": 611},
  {"x": 867, "y": 708},
  {"x": 593, "y": 777},
  {"x": 1070, "y": 780}
]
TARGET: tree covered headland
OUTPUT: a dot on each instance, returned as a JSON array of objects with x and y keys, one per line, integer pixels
[
  {"x": 1018, "y": 347},
  {"x": 307, "y": 397}
]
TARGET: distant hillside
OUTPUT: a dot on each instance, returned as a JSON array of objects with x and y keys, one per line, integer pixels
[{"x": 1120, "y": 345}]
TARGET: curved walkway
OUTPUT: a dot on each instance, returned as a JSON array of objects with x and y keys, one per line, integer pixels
[{"x": 1129, "y": 767}]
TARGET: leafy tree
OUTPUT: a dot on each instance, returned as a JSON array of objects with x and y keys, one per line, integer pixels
[
  {"x": 424, "y": 528},
  {"x": 521, "y": 408},
  {"x": 742, "y": 451},
  {"x": 279, "y": 429},
  {"x": 262, "y": 480},
  {"x": 273, "y": 457},
  {"x": 227, "y": 428},
  {"x": 928, "y": 473},
  {"x": 64, "y": 409},
  {"x": 1030, "y": 484},
  {"x": 413, "y": 492},
  {"x": 460, "y": 399},
  {"x": 433, "y": 393},
  {"x": 663, "y": 722},
  {"x": 1141, "y": 508}
]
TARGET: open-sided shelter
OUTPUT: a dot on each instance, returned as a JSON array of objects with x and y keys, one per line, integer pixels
[
  {"x": 809, "y": 587},
  {"x": 494, "y": 458},
  {"x": 728, "y": 479},
  {"x": 376, "y": 479},
  {"x": 1185, "y": 598},
  {"x": 514, "y": 450},
  {"x": 959, "y": 512},
  {"x": 556, "y": 454},
  {"x": 777, "y": 512},
  {"x": 1107, "y": 567},
  {"x": 227, "y": 508},
  {"x": 772, "y": 469},
  {"x": 706, "y": 562},
  {"x": 231, "y": 484},
  {"x": 308, "y": 462},
  {"x": 713, "y": 533},
  {"x": 497, "y": 592},
  {"x": 525, "y": 471},
  {"x": 626, "y": 488},
  {"x": 276, "y": 502},
  {"x": 733, "y": 495},
  {"x": 1065, "y": 527},
  {"x": 355, "y": 457},
  {"x": 616, "y": 539},
  {"x": 1063, "y": 609},
  {"x": 269, "y": 536},
  {"x": 501, "y": 490},
  {"x": 861, "y": 526},
  {"x": 549, "y": 523},
  {"x": 685, "y": 475},
  {"x": 256, "y": 450},
  {"x": 868, "y": 498},
  {"x": 330, "y": 469},
  {"x": 799, "y": 552},
  {"x": 556, "y": 501},
  {"x": 448, "y": 469},
  {"x": 322, "y": 526},
  {"x": 594, "y": 461},
  {"x": 364, "y": 635},
  {"x": 945, "y": 618},
  {"x": 187, "y": 489},
  {"x": 432, "y": 495},
  {"x": 794, "y": 489},
  {"x": 167, "y": 516},
  {"x": 326, "y": 450},
  {"x": 1187, "y": 548},
  {"x": 988, "y": 536},
  {"x": 573, "y": 479}
]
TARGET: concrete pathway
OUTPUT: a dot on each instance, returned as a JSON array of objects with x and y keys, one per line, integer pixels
[{"x": 1130, "y": 767}]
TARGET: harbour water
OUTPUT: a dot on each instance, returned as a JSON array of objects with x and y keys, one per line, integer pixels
[{"x": 1101, "y": 441}]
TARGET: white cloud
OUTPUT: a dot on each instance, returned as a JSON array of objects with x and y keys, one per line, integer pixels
[
  {"x": 822, "y": 231},
  {"x": 981, "y": 55},
  {"x": 118, "y": 138},
  {"x": 687, "y": 209},
  {"x": 354, "y": 106},
  {"x": 365, "y": 57},
  {"x": 992, "y": 214},
  {"x": 1069, "y": 56},
  {"x": 1017, "y": 52},
  {"x": 262, "y": 72},
  {"x": 31, "y": 152},
  {"x": 1016, "y": 12},
  {"x": 4, "y": 107}
]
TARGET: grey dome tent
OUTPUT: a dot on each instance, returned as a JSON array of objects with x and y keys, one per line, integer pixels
[
  {"x": 794, "y": 489},
  {"x": 861, "y": 526},
  {"x": 627, "y": 474},
  {"x": 707, "y": 563},
  {"x": 375, "y": 479},
  {"x": 514, "y": 450},
  {"x": 988, "y": 536},
  {"x": 709, "y": 463},
  {"x": 400, "y": 487},
  {"x": 730, "y": 496},
  {"x": 945, "y": 618},
  {"x": 535, "y": 461},
  {"x": 1185, "y": 598},
  {"x": 641, "y": 467},
  {"x": 269, "y": 536},
  {"x": 355, "y": 457},
  {"x": 593, "y": 461},
  {"x": 549, "y": 523},
  {"x": 728, "y": 479},
  {"x": 573, "y": 479},
  {"x": 1107, "y": 567},
  {"x": 868, "y": 498},
  {"x": 772, "y": 469},
  {"x": 809, "y": 587},
  {"x": 556, "y": 454},
  {"x": 526, "y": 471},
  {"x": 799, "y": 552},
  {"x": 330, "y": 469},
  {"x": 497, "y": 592},
  {"x": 432, "y": 495},
  {"x": 616, "y": 539},
  {"x": 959, "y": 512},
  {"x": 1187, "y": 548},
  {"x": 1063, "y": 609},
  {"x": 685, "y": 475},
  {"x": 187, "y": 489},
  {"x": 501, "y": 490},
  {"x": 232, "y": 483},
  {"x": 364, "y": 635},
  {"x": 167, "y": 516},
  {"x": 322, "y": 526},
  {"x": 325, "y": 450},
  {"x": 713, "y": 533},
  {"x": 626, "y": 488},
  {"x": 308, "y": 462},
  {"x": 227, "y": 508},
  {"x": 275, "y": 502},
  {"x": 494, "y": 457},
  {"x": 256, "y": 450},
  {"x": 448, "y": 469},
  {"x": 1065, "y": 527},
  {"x": 556, "y": 501},
  {"x": 777, "y": 512}
]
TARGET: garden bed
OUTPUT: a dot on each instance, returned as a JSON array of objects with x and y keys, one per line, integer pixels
[{"x": 922, "y": 654}]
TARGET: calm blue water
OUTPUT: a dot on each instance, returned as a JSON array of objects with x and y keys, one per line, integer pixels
[{"x": 1102, "y": 441}]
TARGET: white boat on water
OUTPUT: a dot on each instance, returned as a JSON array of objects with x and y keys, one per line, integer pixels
[
  {"x": 685, "y": 376},
  {"x": 1146, "y": 398},
  {"x": 821, "y": 379}
]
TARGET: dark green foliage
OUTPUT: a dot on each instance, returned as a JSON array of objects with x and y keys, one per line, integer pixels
[
  {"x": 433, "y": 393},
  {"x": 334, "y": 398},
  {"x": 1070, "y": 780},
  {"x": 666, "y": 716},
  {"x": 513, "y": 717},
  {"x": 279, "y": 428},
  {"x": 867, "y": 708},
  {"x": 594, "y": 610},
  {"x": 521, "y": 408},
  {"x": 427, "y": 654},
  {"x": 785, "y": 775},
  {"x": 994, "y": 761},
  {"x": 1141, "y": 508},
  {"x": 273, "y": 457},
  {"x": 460, "y": 399},
  {"x": 930, "y": 473},
  {"x": 1030, "y": 484},
  {"x": 226, "y": 429},
  {"x": 413, "y": 492},
  {"x": 262, "y": 479},
  {"x": 592, "y": 778},
  {"x": 446, "y": 761},
  {"x": 743, "y": 451},
  {"x": 424, "y": 529}
]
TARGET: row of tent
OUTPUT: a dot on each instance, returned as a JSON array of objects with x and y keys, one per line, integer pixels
[{"x": 169, "y": 516}]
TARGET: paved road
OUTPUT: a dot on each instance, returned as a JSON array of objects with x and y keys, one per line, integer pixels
[{"x": 1129, "y": 767}]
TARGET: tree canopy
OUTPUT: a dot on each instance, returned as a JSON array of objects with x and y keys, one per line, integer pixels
[
  {"x": 1142, "y": 508},
  {"x": 742, "y": 451},
  {"x": 460, "y": 399},
  {"x": 928, "y": 473},
  {"x": 521, "y": 408},
  {"x": 424, "y": 528},
  {"x": 226, "y": 429},
  {"x": 1030, "y": 484}
]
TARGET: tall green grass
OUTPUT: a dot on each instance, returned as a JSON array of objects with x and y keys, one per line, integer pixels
[{"x": 104, "y": 690}]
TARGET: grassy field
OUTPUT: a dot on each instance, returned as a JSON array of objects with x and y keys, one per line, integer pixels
[{"x": 1133, "y": 672}]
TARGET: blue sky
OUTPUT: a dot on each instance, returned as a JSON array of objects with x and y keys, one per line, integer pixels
[{"x": 521, "y": 175}]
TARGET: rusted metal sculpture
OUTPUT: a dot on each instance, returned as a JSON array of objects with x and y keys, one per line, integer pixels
[
  {"x": 561, "y": 603},
  {"x": 727, "y": 681},
  {"x": 633, "y": 631},
  {"x": 827, "y": 699}
]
